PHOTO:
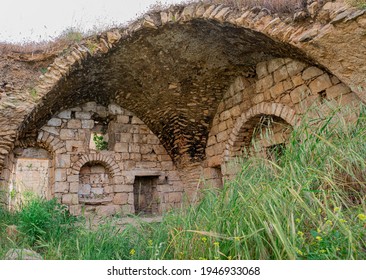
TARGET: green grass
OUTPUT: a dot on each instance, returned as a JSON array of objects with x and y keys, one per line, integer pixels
[{"x": 309, "y": 204}]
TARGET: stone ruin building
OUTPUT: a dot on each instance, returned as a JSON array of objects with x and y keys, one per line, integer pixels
[{"x": 137, "y": 119}]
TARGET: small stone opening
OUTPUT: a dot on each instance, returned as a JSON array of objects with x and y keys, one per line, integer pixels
[
  {"x": 145, "y": 195},
  {"x": 94, "y": 185},
  {"x": 269, "y": 137}
]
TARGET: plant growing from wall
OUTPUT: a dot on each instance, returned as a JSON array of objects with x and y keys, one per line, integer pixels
[{"x": 100, "y": 143}]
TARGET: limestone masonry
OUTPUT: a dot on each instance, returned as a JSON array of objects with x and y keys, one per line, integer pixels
[{"x": 136, "y": 120}]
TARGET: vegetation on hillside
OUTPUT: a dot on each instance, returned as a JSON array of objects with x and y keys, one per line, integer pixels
[{"x": 308, "y": 204}]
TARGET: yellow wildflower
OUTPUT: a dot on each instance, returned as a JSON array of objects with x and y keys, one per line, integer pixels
[
  {"x": 298, "y": 251},
  {"x": 319, "y": 238},
  {"x": 150, "y": 242},
  {"x": 329, "y": 222},
  {"x": 298, "y": 220},
  {"x": 216, "y": 244},
  {"x": 204, "y": 239},
  {"x": 342, "y": 221},
  {"x": 132, "y": 252},
  {"x": 300, "y": 233},
  {"x": 362, "y": 217},
  {"x": 336, "y": 209}
]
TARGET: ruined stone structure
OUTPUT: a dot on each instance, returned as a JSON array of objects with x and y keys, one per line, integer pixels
[{"x": 135, "y": 119}]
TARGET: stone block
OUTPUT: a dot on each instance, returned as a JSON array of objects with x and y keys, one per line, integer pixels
[
  {"x": 121, "y": 147},
  {"x": 54, "y": 122},
  {"x": 297, "y": 80},
  {"x": 90, "y": 106},
  {"x": 61, "y": 187},
  {"x": 126, "y": 137},
  {"x": 120, "y": 198},
  {"x": 67, "y": 134},
  {"x": 294, "y": 67},
  {"x": 311, "y": 72},
  {"x": 65, "y": 114},
  {"x": 136, "y": 120},
  {"x": 222, "y": 136},
  {"x": 258, "y": 98},
  {"x": 264, "y": 83},
  {"x": 167, "y": 165},
  {"x": 337, "y": 90},
  {"x": 152, "y": 139},
  {"x": 73, "y": 178},
  {"x": 63, "y": 161},
  {"x": 106, "y": 210},
  {"x": 74, "y": 187},
  {"x": 274, "y": 64},
  {"x": 115, "y": 109},
  {"x": 70, "y": 199},
  {"x": 52, "y": 130},
  {"x": 175, "y": 197},
  {"x": 123, "y": 188},
  {"x": 321, "y": 83},
  {"x": 262, "y": 70},
  {"x": 222, "y": 126},
  {"x": 276, "y": 90},
  {"x": 299, "y": 93},
  {"x": 60, "y": 175},
  {"x": 214, "y": 161},
  {"x": 74, "y": 124},
  {"x": 133, "y": 148},
  {"x": 75, "y": 146},
  {"x": 123, "y": 119},
  {"x": 83, "y": 115},
  {"x": 280, "y": 74}
]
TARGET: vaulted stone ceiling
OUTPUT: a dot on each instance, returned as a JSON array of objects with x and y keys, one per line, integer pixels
[{"x": 173, "y": 78}]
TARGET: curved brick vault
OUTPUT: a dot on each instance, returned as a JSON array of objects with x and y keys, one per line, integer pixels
[{"x": 171, "y": 68}]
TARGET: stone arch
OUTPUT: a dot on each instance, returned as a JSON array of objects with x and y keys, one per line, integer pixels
[
  {"x": 108, "y": 162},
  {"x": 238, "y": 138},
  {"x": 44, "y": 140}
]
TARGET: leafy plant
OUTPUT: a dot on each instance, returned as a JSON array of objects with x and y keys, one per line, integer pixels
[{"x": 100, "y": 143}]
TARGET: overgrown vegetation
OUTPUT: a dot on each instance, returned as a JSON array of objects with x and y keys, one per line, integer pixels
[
  {"x": 274, "y": 6},
  {"x": 308, "y": 204}
]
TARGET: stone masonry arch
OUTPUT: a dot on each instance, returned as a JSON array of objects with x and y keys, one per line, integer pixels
[
  {"x": 44, "y": 140},
  {"x": 108, "y": 162},
  {"x": 238, "y": 138}
]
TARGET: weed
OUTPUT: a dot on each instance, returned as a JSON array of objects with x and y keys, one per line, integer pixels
[{"x": 100, "y": 143}]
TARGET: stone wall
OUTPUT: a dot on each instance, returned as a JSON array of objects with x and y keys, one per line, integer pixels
[
  {"x": 102, "y": 180},
  {"x": 285, "y": 89}
]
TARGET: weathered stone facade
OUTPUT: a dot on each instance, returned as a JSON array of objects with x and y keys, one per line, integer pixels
[
  {"x": 101, "y": 180},
  {"x": 176, "y": 95}
]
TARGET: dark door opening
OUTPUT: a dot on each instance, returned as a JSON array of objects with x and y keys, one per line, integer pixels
[{"x": 145, "y": 195}]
